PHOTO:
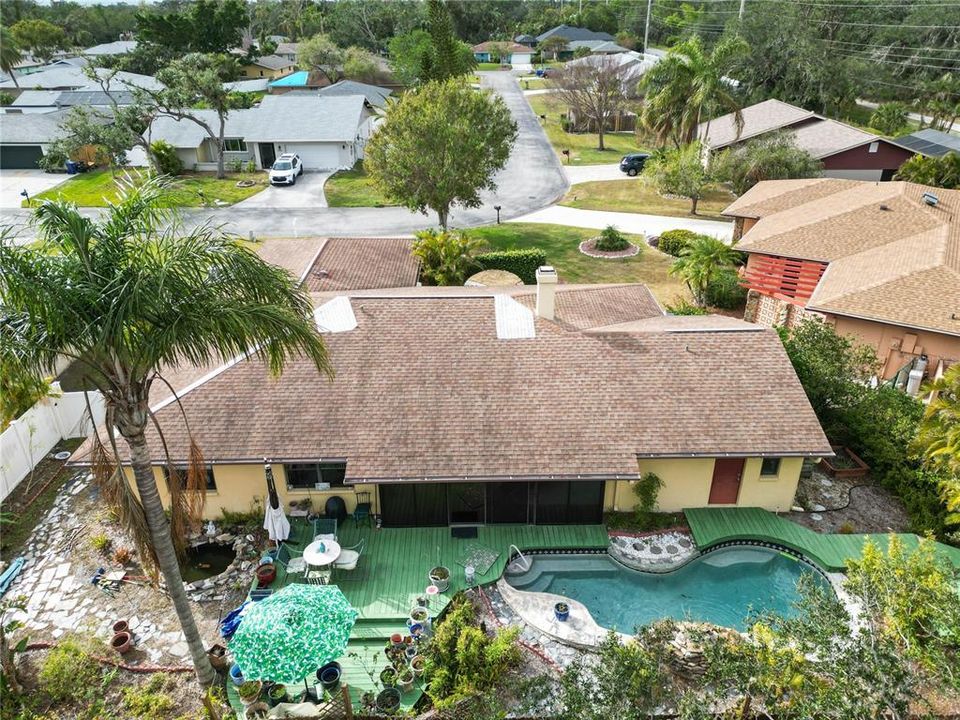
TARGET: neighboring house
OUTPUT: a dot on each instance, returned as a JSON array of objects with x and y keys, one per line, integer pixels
[
  {"x": 581, "y": 37},
  {"x": 513, "y": 53},
  {"x": 117, "y": 47},
  {"x": 845, "y": 151},
  {"x": 486, "y": 406},
  {"x": 930, "y": 142},
  {"x": 528, "y": 40},
  {"x": 878, "y": 261},
  {"x": 42, "y": 101},
  {"x": 375, "y": 95},
  {"x": 24, "y": 138},
  {"x": 634, "y": 65},
  {"x": 327, "y": 133},
  {"x": 597, "y": 47},
  {"x": 67, "y": 76},
  {"x": 268, "y": 66},
  {"x": 287, "y": 50},
  {"x": 249, "y": 86}
]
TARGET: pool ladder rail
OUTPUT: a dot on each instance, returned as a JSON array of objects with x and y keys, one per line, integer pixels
[{"x": 514, "y": 565}]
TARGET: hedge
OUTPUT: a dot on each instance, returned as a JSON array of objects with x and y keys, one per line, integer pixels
[
  {"x": 672, "y": 242},
  {"x": 522, "y": 263},
  {"x": 726, "y": 292}
]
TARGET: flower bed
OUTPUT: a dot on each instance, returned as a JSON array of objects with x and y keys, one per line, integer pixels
[{"x": 846, "y": 464}]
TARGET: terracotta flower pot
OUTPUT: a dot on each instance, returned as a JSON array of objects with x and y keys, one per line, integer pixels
[
  {"x": 122, "y": 642},
  {"x": 266, "y": 574},
  {"x": 121, "y": 626}
]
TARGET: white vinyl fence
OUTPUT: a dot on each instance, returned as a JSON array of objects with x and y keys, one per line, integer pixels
[{"x": 30, "y": 437}]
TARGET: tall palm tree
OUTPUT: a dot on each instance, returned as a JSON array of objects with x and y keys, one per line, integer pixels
[
  {"x": 689, "y": 86},
  {"x": 700, "y": 263},
  {"x": 9, "y": 54},
  {"x": 127, "y": 295}
]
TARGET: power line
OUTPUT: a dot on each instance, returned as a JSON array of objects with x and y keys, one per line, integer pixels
[{"x": 894, "y": 47}]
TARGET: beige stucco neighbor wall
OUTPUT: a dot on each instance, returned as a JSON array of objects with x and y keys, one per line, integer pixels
[
  {"x": 686, "y": 483},
  {"x": 239, "y": 486}
]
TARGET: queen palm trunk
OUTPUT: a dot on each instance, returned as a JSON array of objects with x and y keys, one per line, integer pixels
[{"x": 131, "y": 421}]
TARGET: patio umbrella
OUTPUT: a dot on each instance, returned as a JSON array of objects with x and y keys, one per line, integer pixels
[
  {"x": 292, "y": 633},
  {"x": 275, "y": 520}
]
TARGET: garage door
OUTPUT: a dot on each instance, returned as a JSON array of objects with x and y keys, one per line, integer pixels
[
  {"x": 20, "y": 157},
  {"x": 316, "y": 156}
]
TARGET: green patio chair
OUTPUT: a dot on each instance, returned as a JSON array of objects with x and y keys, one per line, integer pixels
[
  {"x": 325, "y": 528},
  {"x": 362, "y": 511},
  {"x": 291, "y": 560}
]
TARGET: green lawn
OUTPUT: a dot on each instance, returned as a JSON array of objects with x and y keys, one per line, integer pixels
[
  {"x": 582, "y": 146},
  {"x": 352, "y": 188},
  {"x": 560, "y": 243},
  {"x": 490, "y": 66},
  {"x": 532, "y": 83},
  {"x": 100, "y": 187},
  {"x": 639, "y": 196}
]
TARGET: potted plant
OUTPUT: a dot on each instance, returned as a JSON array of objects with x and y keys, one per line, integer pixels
[
  {"x": 440, "y": 576},
  {"x": 419, "y": 616},
  {"x": 122, "y": 642},
  {"x": 418, "y": 664},
  {"x": 388, "y": 700},
  {"x": 388, "y": 677},
  {"x": 218, "y": 657},
  {"x": 562, "y": 611},
  {"x": 266, "y": 574},
  {"x": 411, "y": 652},
  {"x": 121, "y": 626},
  {"x": 277, "y": 694},
  {"x": 397, "y": 640},
  {"x": 236, "y": 675},
  {"x": 249, "y": 691},
  {"x": 257, "y": 711},
  {"x": 405, "y": 680},
  {"x": 329, "y": 676},
  {"x": 416, "y": 630}
]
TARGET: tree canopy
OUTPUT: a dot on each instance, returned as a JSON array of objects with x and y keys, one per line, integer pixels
[
  {"x": 40, "y": 37},
  {"x": 204, "y": 26},
  {"x": 774, "y": 156},
  {"x": 679, "y": 171}
]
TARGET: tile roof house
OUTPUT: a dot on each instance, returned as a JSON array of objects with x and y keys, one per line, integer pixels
[
  {"x": 327, "y": 132},
  {"x": 536, "y": 404},
  {"x": 844, "y": 150},
  {"x": 880, "y": 261}
]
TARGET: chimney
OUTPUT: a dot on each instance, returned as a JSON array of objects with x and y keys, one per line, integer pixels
[{"x": 546, "y": 291}]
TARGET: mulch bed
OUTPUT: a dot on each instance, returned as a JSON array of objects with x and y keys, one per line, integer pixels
[{"x": 588, "y": 247}]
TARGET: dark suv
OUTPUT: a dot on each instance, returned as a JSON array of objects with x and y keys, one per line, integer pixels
[{"x": 633, "y": 163}]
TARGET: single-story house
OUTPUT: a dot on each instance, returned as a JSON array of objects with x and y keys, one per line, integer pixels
[
  {"x": 577, "y": 37},
  {"x": 268, "y": 66},
  {"x": 506, "y": 53},
  {"x": 597, "y": 47},
  {"x": 43, "y": 101},
  {"x": 376, "y": 96},
  {"x": 845, "y": 151},
  {"x": 878, "y": 261},
  {"x": 327, "y": 133},
  {"x": 24, "y": 138},
  {"x": 930, "y": 142},
  {"x": 529, "y": 40},
  {"x": 469, "y": 406},
  {"x": 117, "y": 47},
  {"x": 67, "y": 76}
]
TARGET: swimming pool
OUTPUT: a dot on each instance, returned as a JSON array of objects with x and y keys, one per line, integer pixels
[{"x": 721, "y": 587}]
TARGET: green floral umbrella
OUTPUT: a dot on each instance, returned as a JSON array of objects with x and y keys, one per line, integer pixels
[{"x": 289, "y": 635}]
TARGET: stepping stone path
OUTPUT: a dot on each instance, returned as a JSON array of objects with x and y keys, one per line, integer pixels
[{"x": 658, "y": 553}]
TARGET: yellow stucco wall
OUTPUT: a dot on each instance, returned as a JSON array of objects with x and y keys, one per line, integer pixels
[
  {"x": 256, "y": 71},
  {"x": 239, "y": 486},
  {"x": 686, "y": 483}
]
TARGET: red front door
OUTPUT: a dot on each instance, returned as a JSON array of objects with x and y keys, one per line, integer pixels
[{"x": 726, "y": 481}]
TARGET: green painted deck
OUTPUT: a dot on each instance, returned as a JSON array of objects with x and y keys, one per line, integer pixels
[
  {"x": 392, "y": 574},
  {"x": 712, "y": 526}
]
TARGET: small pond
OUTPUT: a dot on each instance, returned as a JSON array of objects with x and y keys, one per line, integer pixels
[{"x": 205, "y": 561}]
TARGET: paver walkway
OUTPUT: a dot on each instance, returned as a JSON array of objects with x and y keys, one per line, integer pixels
[
  {"x": 711, "y": 526},
  {"x": 636, "y": 223}
]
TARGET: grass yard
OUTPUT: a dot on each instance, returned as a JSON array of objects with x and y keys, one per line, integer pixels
[
  {"x": 582, "y": 146},
  {"x": 492, "y": 66},
  {"x": 533, "y": 83},
  {"x": 353, "y": 188},
  {"x": 560, "y": 243},
  {"x": 100, "y": 187},
  {"x": 639, "y": 196}
]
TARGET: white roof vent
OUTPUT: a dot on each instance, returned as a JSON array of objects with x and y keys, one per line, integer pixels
[
  {"x": 930, "y": 199},
  {"x": 336, "y": 316},
  {"x": 514, "y": 321}
]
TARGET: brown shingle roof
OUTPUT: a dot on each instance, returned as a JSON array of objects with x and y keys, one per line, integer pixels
[
  {"x": 891, "y": 257},
  {"x": 359, "y": 263},
  {"x": 593, "y": 306},
  {"x": 763, "y": 117},
  {"x": 425, "y": 389}
]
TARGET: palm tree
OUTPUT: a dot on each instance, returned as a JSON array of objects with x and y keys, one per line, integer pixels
[
  {"x": 9, "y": 54},
  {"x": 938, "y": 439},
  {"x": 127, "y": 295},
  {"x": 700, "y": 263},
  {"x": 689, "y": 86}
]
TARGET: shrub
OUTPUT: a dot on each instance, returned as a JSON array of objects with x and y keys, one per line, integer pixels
[
  {"x": 165, "y": 155},
  {"x": 236, "y": 165},
  {"x": 100, "y": 542},
  {"x": 684, "y": 307},
  {"x": 146, "y": 703},
  {"x": 447, "y": 257},
  {"x": 646, "y": 490},
  {"x": 6, "y": 98},
  {"x": 251, "y": 166},
  {"x": 69, "y": 671},
  {"x": 611, "y": 240},
  {"x": 522, "y": 263},
  {"x": 53, "y": 159},
  {"x": 725, "y": 291},
  {"x": 672, "y": 242}
]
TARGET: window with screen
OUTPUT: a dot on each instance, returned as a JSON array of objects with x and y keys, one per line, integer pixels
[
  {"x": 305, "y": 476},
  {"x": 770, "y": 466},
  {"x": 182, "y": 469}
]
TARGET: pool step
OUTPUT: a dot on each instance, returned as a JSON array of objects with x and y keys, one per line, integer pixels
[{"x": 540, "y": 574}]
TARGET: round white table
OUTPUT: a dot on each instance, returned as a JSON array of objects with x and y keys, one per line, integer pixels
[{"x": 320, "y": 553}]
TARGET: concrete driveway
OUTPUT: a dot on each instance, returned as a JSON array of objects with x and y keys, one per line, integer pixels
[
  {"x": 307, "y": 193},
  {"x": 590, "y": 173},
  {"x": 12, "y": 182}
]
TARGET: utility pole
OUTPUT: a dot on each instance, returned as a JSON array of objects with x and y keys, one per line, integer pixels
[
  {"x": 646, "y": 29},
  {"x": 742, "y": 5}
]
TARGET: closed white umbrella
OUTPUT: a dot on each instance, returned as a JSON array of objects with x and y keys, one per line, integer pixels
[{"x": 275, "y": 520}]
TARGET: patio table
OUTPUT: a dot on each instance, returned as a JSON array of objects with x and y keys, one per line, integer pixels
[{"x": 320, "y": 553}]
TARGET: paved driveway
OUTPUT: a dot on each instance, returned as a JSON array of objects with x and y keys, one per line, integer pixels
[
  {"x": 33, "y": 181},
  {"x": 307, "y": 193},
  {"x": 589, "y": 173}
]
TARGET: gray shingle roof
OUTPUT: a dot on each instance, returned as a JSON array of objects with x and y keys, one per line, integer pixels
[
  {"x": 574, "y": 33},
  {"x": 934, "y": 143},
  {"x": 272, "y": 62},
  {"x": 376, "y": 96},
  {"x": 117, "y": 47},
  {"x": 30, "y": 128},
  {"x": 71, "y": 77}
]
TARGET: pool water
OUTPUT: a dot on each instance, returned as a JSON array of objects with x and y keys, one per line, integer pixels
[
  {"x": 205, "y": 561},
  {"x": 721, "y": 587}
]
